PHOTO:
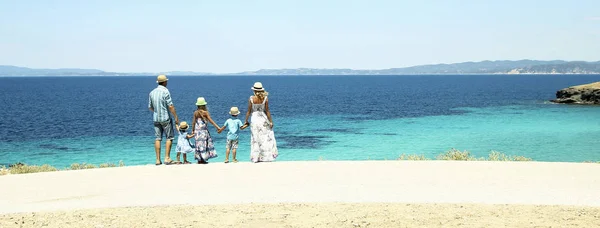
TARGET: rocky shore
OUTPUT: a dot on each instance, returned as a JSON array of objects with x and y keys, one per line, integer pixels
[{"x": 581, "y": 94}]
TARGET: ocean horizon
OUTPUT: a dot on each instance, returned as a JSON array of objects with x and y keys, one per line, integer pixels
[{"x": 104, "y": 119}]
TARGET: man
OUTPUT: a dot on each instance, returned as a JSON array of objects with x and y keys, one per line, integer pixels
[{"x": 158, "y": 102}]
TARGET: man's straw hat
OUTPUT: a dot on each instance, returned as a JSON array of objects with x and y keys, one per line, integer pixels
[{"x": 161, "y": 78}]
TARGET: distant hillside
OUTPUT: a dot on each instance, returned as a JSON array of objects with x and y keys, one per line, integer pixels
[
  {"x": 484, "y": 67},
  {"x": 24, "y": 71}
]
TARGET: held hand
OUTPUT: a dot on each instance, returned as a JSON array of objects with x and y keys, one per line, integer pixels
[
  {"x": 271, "y": 125},
  {"x": 177, "y": 121}
]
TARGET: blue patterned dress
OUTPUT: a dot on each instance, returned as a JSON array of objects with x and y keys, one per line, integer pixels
[{"x": 205, "y": 149}]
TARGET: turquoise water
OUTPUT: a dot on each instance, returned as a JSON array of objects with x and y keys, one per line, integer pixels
[
  {"x": 544, "y": 132},
  {"x": 60, "y": 121}
]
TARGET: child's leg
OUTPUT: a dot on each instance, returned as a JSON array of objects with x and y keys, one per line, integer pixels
[
  {"x": 227, "y": 154},
  {"x": 234, "y": 146},
  {"x": 184, "y": 157},
  {"x": 179, "y": 153},
  {"x": 234, "y": 152}
]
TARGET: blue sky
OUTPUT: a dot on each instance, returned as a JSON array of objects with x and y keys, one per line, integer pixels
[{"x": 232, "y": 36}]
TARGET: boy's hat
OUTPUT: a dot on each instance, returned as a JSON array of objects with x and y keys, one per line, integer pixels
[
  {"x": 258, "y": 87},
  {"x": 234, "y": 111},
  {"x": 183, "y": 125},
  {"x": 161, "y": 78},
  {"x": 201, "y": 101}
]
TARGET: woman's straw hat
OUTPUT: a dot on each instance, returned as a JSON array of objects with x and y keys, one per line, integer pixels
[
  {"x": 258, "y": 87},
  {"x": 183, "y": 125},
  {"x": 161, "y": 78},
  {"x": 234, "y": 111},
  {"x": 201, "y": 101}
]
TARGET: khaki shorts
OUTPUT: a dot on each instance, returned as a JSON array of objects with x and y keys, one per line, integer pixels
[
  {"x": 163, "y": 127},
  {"x": 232, "y": 144}
]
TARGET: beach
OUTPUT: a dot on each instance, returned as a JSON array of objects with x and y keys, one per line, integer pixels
[
  {"x": 299, "y": 194},
  {"x": 316, "y": 215}
]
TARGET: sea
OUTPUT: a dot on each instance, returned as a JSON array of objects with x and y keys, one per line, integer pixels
[{"x": 65, "y": 120}]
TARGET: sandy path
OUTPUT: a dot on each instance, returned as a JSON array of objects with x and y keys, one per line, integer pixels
[
  {"x": 316, "y": 215},
  {"x": 525, "y": 183}
]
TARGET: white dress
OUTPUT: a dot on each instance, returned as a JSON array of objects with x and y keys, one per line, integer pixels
[{"x": 263, "y": 147}]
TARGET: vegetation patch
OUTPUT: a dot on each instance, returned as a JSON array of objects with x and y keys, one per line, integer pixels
[
  {"x": 21, "y": 168},
  {"x": 457, "y": 155}
]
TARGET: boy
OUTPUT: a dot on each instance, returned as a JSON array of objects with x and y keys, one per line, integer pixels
[{"x": 234, "y": 125}]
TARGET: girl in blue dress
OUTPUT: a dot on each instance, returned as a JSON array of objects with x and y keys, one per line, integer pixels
[{"x": 184, "y": 146}]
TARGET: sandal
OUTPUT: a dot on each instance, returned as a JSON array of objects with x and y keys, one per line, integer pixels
[
  {"x": 226, "y": 161},
  {"x": 170, "y": 162},
  {"x": 187, "y": 162},
  {"x": 159, "y": 163}
]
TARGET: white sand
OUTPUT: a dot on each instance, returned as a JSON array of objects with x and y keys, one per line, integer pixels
[
  {"x": 315, "y": 215},
  {"x": 525, "y": 183}
]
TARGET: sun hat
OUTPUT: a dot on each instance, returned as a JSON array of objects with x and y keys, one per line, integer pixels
[
  {"x": 161, "y": 78},
  {"x": 234, "y": 111},
  {"x": 258, "y": 87},
  {"x": 201, "y": 101},
  {"x": 183, "y": 125}
]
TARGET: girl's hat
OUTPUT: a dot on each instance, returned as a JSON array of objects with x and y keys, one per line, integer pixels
[
  {"x": 258, "y": 87},
  {"x": 234, "y": 111},
  {"x": 183, "y": 125},
  {"x": 201, "y": 101}
]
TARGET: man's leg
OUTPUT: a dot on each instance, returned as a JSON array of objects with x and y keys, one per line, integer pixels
[
  {"x": 157, "y": 150},
  {"x": 158, "y": 131},
  {"x": 169, "y": 135},
  {"x": 168, "y": 150}
]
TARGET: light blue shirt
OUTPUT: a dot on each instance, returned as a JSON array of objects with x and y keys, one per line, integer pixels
[
  {"x": 233, "y": 125},
  {"x": 160, "y": 100}
]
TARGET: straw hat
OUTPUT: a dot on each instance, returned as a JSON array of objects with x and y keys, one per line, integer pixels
[
  {"x": 183, "y": 125},
  {"x": 258, "y": 87},
  {"x": 234, "y": 111},
  {"x": 201, "y": 101},
  {"x": 161, "y": 78}
]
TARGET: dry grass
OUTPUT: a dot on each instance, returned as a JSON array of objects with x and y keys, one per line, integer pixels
[
  {"x": 21, "y": 168},
  {"x": 457, "y": 155},
  {"x": 497, "y": 156},
  {"x": 413, "y": 157},
  {"x": 595, "y": 85}
]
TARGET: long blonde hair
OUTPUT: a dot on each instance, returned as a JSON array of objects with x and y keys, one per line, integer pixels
[
  {"x": 261, "y": 94},
  {"x": 203, "y": 108}
]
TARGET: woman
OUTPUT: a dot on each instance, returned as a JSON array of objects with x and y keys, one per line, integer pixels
[
  {"x": 263, "y": 147},
  {"x": 205, "y": 148}
]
